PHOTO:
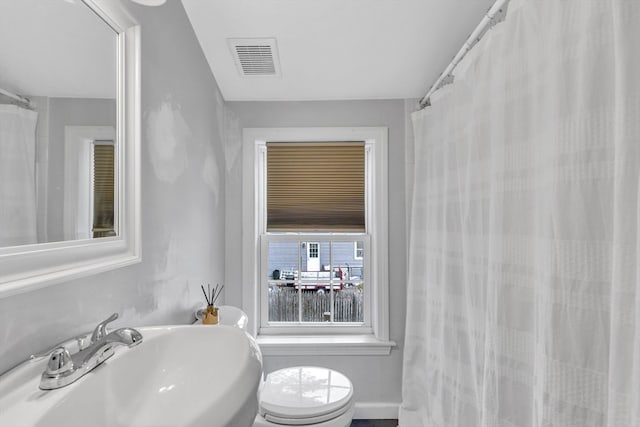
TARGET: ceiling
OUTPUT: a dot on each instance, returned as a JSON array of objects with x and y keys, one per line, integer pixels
[
  {"x": 73, "y": 55},
  {"x": 336, "y": 49}
]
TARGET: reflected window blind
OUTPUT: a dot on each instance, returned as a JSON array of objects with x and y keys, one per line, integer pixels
[
  {"x": 103, "y": 190},
  {"x": 315, "y": 186}
]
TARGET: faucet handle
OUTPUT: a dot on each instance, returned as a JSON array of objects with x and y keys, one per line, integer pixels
[
  {"x": 101, "y": 330},
  {"x": 59, "y": 362}
]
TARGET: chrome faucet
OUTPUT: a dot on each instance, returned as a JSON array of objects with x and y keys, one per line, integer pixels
[{"x": 64, "y": 368}]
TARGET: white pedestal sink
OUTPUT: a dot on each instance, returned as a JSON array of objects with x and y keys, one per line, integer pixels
[{"x": 191, "y": 376}]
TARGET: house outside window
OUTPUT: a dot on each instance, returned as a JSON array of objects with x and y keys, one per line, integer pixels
[{"x": 321, "y": 264}]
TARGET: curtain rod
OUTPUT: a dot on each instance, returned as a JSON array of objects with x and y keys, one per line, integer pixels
[
  {"x": 494, "y": 15},
  {"x": 18, "y": 98}
]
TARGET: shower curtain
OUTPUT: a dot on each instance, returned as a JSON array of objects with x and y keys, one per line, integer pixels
[
  {"x": 523, "y": 293},
  {"x": 17, "y": 176}
]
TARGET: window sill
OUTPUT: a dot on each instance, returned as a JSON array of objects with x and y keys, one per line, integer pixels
[{"x": 323, "y": 345}]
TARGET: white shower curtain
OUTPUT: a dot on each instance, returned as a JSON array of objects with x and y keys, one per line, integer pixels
[
  {"x": 523, "y": 294},
  {"x": 17, "y": 176}
]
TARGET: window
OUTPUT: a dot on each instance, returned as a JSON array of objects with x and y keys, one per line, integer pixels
[
  {"x": 319, "y": 267},
  {"x": 103, "y": 189},
  {"x": 358, "y": 250},
  {"x": 297, "y": 293},
  {"x": 90, "y": 179},
  {"x": 314, "y": 190},
  {"x": 313, "y": 256}
]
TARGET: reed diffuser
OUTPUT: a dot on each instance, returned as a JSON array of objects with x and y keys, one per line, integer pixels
[{"x": 210, "y": 316}]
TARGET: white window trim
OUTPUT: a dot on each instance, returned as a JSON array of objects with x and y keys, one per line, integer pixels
[
  {"x": 376, "y": 197},
  {"x": 78, "y": 178}
]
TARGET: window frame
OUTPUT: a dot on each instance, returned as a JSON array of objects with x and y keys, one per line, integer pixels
[
  {"x": 373, "y": 339},
  {"x": 355, "y": 251},
  {"x": 78, "y": 181}
]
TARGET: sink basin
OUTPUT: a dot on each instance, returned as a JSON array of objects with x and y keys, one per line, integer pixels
[{"x": 187, "y": 376}]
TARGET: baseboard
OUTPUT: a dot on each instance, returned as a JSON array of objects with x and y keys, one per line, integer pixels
[{"x": 376, "y": 411}]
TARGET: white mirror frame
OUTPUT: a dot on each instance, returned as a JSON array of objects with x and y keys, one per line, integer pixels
[{"x": 29, "y": 267}]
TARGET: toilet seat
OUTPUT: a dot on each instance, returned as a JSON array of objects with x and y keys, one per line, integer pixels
[
  {"x": 305, "y": 395},
  {"x": 308, "y": 420},
  {"x": 343, "y": 420}
]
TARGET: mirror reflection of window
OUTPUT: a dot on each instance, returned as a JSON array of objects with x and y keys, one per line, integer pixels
[{"x": 103, "y": 189}]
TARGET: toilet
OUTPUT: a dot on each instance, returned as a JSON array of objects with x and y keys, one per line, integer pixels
[{"x": 303, "y": 395}]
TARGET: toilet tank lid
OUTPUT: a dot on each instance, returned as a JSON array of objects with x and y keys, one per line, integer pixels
[{"x": 304, "y": 392}]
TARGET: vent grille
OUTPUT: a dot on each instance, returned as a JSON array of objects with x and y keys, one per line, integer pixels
[
  {"x": 256, "y": 60},
  {"x": 255, "y": 57}
]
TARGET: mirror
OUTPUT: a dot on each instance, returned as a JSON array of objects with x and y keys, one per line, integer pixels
[
  {"x": 59, "y": 73},
  {"x": 69, "y": 139}
]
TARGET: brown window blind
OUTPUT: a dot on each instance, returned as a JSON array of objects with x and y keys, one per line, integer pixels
[
  {"x": 315, "y": 186},
  {"x": 103, "y": 190}
]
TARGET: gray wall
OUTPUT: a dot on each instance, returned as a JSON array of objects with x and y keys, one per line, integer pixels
[
  {"x": 68, "y": 112},
  {"x": 375, "y": 378},
  {"x": 182, "y": 205}
]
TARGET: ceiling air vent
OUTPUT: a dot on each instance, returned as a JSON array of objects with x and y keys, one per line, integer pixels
[{"x": 255, "y": 57}]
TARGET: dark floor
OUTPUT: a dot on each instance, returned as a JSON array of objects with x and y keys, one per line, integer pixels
[{"x": 374, "y": 423}]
